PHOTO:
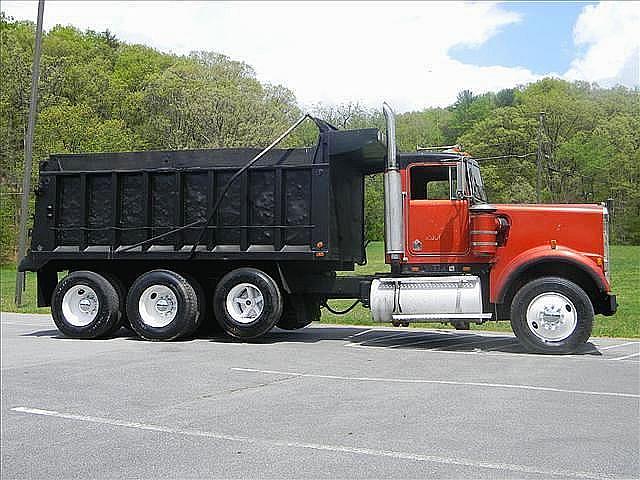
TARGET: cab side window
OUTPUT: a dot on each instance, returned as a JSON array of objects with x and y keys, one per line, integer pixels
[{"x": 433, "y": 183}]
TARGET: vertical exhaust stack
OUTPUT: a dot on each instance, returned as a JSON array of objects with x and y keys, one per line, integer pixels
[{"x": 393, "y": 211}]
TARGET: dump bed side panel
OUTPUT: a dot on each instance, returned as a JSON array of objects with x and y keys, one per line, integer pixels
[
  {"x": 267, "y": 209},
  {"x": 291, "y": 205}
]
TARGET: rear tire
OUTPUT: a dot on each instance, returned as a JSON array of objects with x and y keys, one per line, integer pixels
[
  {"x": 202, "y": 301},
  {"x": 552, "y": 315},
  {"x": 247, "y": 303},
  {"x": 162, "y": 305},
  {"x": 84, "y": 304},
  {"x": 122, "y": 302}
]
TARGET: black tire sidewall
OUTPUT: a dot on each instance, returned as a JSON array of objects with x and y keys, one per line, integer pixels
[
  {"x": 108, "y": 314},
  {"x": 202, "y": 301},
  {"x": 581, "y": 303},
  {"x": 272, "y": 306},
  {"x": 185, "y": 320},
  {"x": 118, "y": 285}
]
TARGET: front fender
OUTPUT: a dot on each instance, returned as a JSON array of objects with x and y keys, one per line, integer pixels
[{"x": 502, "y": 277}]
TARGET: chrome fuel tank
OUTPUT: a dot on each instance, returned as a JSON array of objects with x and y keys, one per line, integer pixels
[{"x": 423, "y": 299}]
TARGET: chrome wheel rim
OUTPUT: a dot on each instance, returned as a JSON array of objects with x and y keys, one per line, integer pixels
[
  {"x": 552, "y": 317},
  {"x": 80, "y": 305},
  {"x": 158, "y": 306},
  {"x": 245, "y": 303}
]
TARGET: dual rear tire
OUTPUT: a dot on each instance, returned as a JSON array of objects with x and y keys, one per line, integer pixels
[
  {"x": 160, "y": 305},
  {"x": 164, "y": 305}
]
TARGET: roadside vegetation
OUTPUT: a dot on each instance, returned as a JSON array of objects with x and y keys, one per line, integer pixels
[{"x": 625, "y": 263}]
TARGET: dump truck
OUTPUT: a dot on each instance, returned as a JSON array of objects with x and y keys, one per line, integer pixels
[{"x": 247, "y": 239}]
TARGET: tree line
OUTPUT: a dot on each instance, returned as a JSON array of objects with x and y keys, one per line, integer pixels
[{"x": 100, "y": 94}]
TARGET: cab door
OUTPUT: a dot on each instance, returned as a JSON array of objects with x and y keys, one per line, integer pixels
[{"x": 438, "y": 222}]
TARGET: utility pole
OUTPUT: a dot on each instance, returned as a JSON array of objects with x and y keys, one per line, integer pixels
[
  {"x": 539, "y": 156},
  {"x": 28, "y": 154}
]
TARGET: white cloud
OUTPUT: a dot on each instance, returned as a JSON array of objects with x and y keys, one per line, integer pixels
[
  {"x": 325, "y": 52},
  {"x": 609, "y": 33}
]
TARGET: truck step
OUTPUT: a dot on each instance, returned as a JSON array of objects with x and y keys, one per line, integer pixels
[{"x": 441, "y": 317}]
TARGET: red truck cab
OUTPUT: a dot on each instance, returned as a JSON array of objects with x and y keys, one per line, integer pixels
[{"x": 450, "y": 226}]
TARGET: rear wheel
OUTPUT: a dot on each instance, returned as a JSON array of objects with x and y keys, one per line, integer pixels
[
  {"x": 552, "y": 315},
  {"x": 162, "y": 305},
  {"x": 247, "y": 303},
  {"x": 85, "y": 305}
]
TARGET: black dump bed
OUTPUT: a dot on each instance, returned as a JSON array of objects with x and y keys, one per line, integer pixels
[{"x": 293, "y": 204}]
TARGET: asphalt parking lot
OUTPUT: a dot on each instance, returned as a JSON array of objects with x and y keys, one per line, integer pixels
[{"x": 323, "y": 402}]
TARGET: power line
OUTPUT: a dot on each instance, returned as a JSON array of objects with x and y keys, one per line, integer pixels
[{"x": 524, "y": 155}]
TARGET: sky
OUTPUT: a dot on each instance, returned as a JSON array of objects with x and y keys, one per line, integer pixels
[{"x": 411, "y": 54}]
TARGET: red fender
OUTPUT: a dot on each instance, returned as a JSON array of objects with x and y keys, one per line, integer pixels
[{"x": 502, "y": 276}]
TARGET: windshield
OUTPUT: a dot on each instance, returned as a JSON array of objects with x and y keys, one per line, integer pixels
[{"x": 475, "y": 181}]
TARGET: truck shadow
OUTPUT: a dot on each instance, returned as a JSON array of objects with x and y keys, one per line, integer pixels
[
  {"x": 364, "y": 337},
  {"x": 422, "y": 340}
]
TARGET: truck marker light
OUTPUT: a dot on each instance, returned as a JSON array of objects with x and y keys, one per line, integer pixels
[
  {"x": 319, "y": 254},
  {"x": 466, "y": 269},
  {"x": 599, "y": 261},
  {"x": 415, "y": 269},
  {"x": 554, "y": 244}
]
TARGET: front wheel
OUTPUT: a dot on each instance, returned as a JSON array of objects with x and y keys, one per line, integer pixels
[{"x": 552, "y": 315}]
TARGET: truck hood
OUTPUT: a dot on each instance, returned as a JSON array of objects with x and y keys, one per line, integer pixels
[{"x": 578, "y": 227}]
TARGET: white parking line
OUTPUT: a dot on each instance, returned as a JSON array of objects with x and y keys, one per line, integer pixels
[
  {"x": 521, "y": 469},
  {"x": 616, "y": 346},
  {"x": 361, "y": 333},
  {"x": 23, "y": 324},
  {"x": 438, "y": 382},
  {"x": 627, "y": 356}
]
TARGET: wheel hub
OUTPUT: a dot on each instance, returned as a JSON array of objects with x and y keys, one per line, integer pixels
[
  {"x": 245, "y": 303},
  {"x": 551, "y": 316},
  {"x": 80, "y": 305},
  {"x": 158, "y": 306}
]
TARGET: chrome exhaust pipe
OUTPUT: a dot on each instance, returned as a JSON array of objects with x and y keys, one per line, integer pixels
[{"x": 393, "y": 201}]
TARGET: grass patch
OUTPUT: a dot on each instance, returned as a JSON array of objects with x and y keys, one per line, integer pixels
[{"x": 625, "y": 266}]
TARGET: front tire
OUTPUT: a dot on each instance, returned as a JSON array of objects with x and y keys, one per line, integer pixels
[
  {"x": 85, "y": 305},
  {"x": 162, "y": 305},
  {"x": 552, "y": 315},
  {"x": 247, "y": 303}
]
